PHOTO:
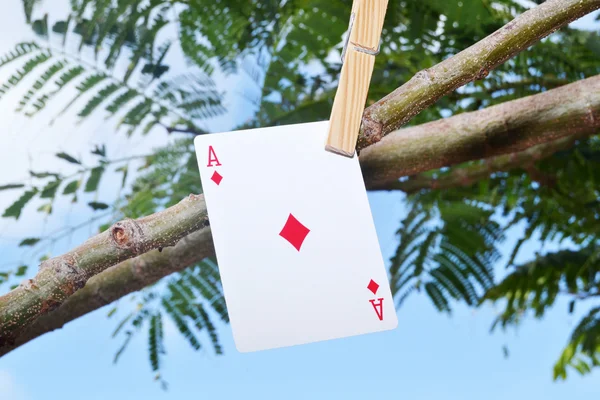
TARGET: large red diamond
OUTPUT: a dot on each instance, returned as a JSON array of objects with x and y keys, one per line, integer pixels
[
  {"x": 294, "y": 232},
  {"x": 216, "y": 177},
  {"x": 373, "y": 286}
]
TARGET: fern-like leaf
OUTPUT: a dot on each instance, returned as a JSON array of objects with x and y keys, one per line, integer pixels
[
  {"x": 20, "y": 50},
  {"x": 67, "y": 77},
  {"x": 25, "y": 70},
  {"x": 40, "y": 83}
]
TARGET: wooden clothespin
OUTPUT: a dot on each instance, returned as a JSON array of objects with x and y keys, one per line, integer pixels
[{"x": 358, "y": 59}]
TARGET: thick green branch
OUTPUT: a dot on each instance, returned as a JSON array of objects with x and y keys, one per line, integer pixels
[
  {"x": 502, "y": 129},
  {"x": 429, "y": 85},
  {"x": 60, "y": 277},
  {"x": 117, "y": 281}
]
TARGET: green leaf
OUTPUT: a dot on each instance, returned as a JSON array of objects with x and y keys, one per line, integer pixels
[
  {"x": 98, "y": 206},
  {"x": 15, "y": 209},
  {"x": 49, "y": 191},
  {"x": 42, "y": 175},
  {"x": 46, "y": 208},
  {"x": 21, "y": 271},
  {"x": 98, "y": 99},
  {"x": 29, "y": 242},
  {"x": 68, "y": 158},
  {"x": 20, "y": 50},
  {"x": 123, "y": 347},
  {"x": 85, "y": 86},
  {"x": 40, "y": 83},
  {"x": 24, "y": 71},
  {"x": 60, "y": 27},
  {"x": 92, "y": 182},
  {"x": 154, "y": 338},
  {"x": 62, "y": 81},
  {"x": 40, "y": 26},
  {"x": 11, "y": 186},
  {"x": 72, "y": 187},
  {"x": 100, "y": 150},
  {"x": 124, "y": 169}
]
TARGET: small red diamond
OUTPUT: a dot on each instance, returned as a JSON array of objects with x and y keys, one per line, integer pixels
[
  {"x": 294, "y": 232},
  {"x": 373, "y": 286},
  {"x": 216, "y": 177}
]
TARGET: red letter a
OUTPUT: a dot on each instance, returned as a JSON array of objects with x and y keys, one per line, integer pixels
[
  {"x": 378, "y": 307},
  {"x": 212, "y": 157}
]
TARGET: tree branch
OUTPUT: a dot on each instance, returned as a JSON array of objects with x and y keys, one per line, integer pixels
[
  {"x": 117, "y": 281},
  {"x": 514, "y": 126},
  {"x": 60, "y": 277},
  {"x": 471, "y": 174},
  {"x": 473, "y": 63},
  {"x": 502, "y": 129},
  {"x": 412, "y": 148}
]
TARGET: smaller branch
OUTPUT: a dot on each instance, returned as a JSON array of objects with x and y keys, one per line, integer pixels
[
  {"x": 60, "y": 277},
  {"x": 473, "y": 63},
  {"x": 471, "y": 174}
]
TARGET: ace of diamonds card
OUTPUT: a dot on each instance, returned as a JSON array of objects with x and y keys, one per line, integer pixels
[{"x": 294, "y": 238}]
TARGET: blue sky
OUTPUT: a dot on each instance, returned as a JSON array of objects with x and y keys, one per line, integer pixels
[{"x": 428, "y": 356}]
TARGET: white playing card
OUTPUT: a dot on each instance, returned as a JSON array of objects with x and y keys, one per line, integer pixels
[{"x": 294, "y": 238}]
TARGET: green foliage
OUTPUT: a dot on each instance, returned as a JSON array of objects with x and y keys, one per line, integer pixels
[
  {"x": 447, "y": 248},
  {"x": 96, "y": 205},
  {"x": 582, "y": 351},
  {"x": 49, "y": 191},
  {"x": 20, "y": 50},
  {"x": 39, "y": 84},
  {"x": 448, "y": 243},
  {"x": 92, "y": 183},
  {"x": 21, "y": 271},
  {"x": 12, "y": 186},
  {"x": 68, "y": 158},
  {"x": 15, "y": 209},
  {"x": 118, "y": 30},
  {"x": 29, "y": 242},
  {"x": 72, "y": 187},
  {"x": 25, "y": 70}
]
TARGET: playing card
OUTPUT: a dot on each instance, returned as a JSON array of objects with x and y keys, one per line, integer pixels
[{"x": 294, "y": 237}]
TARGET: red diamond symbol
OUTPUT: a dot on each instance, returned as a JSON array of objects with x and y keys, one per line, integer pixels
[
  {"x": 216, "y": 177},
  {"x": 294, "y": 232},
  {"x": 373, "y": 286}
]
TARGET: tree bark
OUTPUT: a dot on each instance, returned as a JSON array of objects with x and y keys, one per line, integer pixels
[
  {"x": 471, "y": 174},
  {"x": 132, "y": 275},
  {"x": 117, "y": 281},
  {"x": 473, "y": 63},
  {"x": 60, "y": 277},
  {"x": 505, "y": 128}
]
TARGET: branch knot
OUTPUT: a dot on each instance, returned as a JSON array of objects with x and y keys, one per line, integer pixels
[{"x": 128, "y": 235}]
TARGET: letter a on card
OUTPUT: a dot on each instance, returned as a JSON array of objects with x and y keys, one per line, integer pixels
[
  {"x": 294, "y": 238},
  {"x": 213, "y": 160}
]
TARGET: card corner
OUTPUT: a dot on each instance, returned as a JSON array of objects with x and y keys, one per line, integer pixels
[{"x": 241, "y": 348}]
